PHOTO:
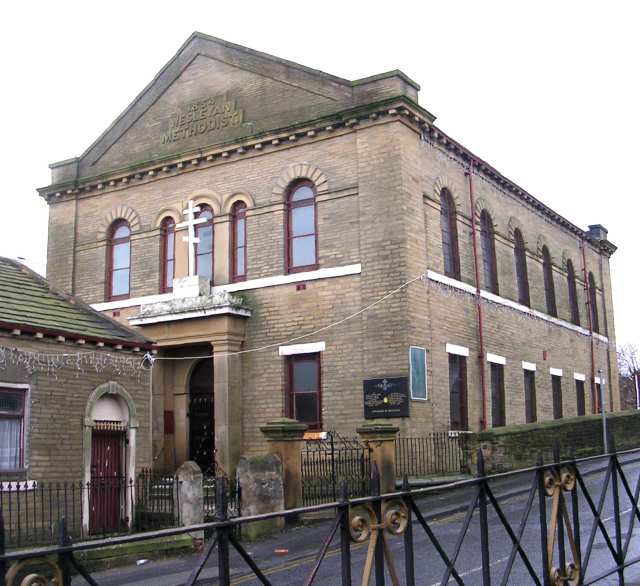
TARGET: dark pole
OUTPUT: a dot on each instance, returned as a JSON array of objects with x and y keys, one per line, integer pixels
[
  {"x": 345, "y": 535},
  {"x": 377, "y": 508},
  {"x": 408, "y": 536},
  {"x": 542, "y": 506},
  {"x": 484, "y": 523},
  {"x": 224, "y": 574}
]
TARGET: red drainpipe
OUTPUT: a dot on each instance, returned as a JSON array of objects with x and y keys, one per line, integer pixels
[
  {"x": 594, "y": 396},
  {"x": 483, "y": 382}
]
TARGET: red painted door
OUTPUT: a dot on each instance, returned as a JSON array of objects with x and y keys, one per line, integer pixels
[{"x": 106, "y": 495}]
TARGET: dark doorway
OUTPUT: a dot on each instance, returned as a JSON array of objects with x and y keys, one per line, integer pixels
[
  {"x": 201, "y": 438},
  {"x": 106, "y": 495}
]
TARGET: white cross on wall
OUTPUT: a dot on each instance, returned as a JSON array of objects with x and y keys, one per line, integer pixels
[{"x": 191, "y": 238}]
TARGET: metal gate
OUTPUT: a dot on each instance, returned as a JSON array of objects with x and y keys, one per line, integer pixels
[{"x": 330, "y": 461}]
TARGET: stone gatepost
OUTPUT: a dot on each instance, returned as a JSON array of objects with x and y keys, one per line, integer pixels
[
  {"x": 260, "y": 479},
  {"x": 188, "y": 497},
  {"x": 284, "y": 438},
  {"x": 380, "y": 437}
]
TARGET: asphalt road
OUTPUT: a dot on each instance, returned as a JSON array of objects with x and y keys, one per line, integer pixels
[{"x": 445, "y": 515}]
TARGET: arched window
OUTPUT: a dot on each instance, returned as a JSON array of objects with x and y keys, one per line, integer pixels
[
  {"x": 204, "y": 248},
  {"x": 238, "y": 241},
  {"x": 167, "y": 253},
  {"x": 449, "y": 231},
  {"x": 521, "y": 268},
  {"x": 593, "y": 304},
  {"x": 573, "y": 294},
  {"x": 119, "y": 260},
  {"x": 488, "y": 245},
  {"x": 301, "y": 228},
  {"x": 549, "y": 289}
]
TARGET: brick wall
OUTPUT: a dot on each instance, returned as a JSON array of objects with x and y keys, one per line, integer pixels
[
  {"x": 56, "y": 410},
  {"x": 381, "y": 209}
]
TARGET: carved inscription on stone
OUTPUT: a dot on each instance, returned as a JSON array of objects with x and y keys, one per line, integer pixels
[{"x": 206, "y": 116}]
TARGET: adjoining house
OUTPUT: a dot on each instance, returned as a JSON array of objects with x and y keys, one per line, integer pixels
[
  {"x": 243, "y": 200},
  {"x": 75, "y": 403}
]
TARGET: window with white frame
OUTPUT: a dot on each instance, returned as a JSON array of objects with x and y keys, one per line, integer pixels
[
  {"x": 12, "y": 410},
  {"x": 418, "y": 372}
]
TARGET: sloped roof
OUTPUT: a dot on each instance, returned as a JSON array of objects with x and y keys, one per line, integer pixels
[{"x": 29, "y": 303}]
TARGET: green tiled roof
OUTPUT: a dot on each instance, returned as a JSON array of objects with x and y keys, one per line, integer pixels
[{"x": 27, "y": 301}]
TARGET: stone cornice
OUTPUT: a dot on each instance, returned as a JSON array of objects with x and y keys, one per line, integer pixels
[{"x": 401, "y": 107}]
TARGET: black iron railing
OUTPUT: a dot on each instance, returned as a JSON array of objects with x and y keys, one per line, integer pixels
[
  {"x": 156, "y": 501},
  {"x": 437, "y": 453},
  {"x": 328, "y": 463},
  {"x": 571, "y": 529},
  {"x": 209, "y": 490},
  {"x": 102, "y": 507}
]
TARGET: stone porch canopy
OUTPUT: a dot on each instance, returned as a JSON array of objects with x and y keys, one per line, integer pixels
[{"x": 196, "y": 316}]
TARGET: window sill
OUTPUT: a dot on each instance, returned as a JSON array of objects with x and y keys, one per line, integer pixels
[
  {"x": 304, "y": 269},
  {"x": 19, "y": 474},
  {"x": 117, "y": 298}
]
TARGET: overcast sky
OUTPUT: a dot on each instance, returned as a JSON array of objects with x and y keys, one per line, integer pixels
[{"x": 548, "y": 94}]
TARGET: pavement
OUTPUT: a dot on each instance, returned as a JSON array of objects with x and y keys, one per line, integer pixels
[{"x": 444, "y": 512}]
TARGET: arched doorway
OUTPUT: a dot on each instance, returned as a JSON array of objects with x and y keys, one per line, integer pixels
[
  {"x": 201, "y": 416},
  {"x": 109, "y": 458}
]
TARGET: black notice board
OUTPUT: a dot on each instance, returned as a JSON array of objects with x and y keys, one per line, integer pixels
[{"x": 386, "y": 397}]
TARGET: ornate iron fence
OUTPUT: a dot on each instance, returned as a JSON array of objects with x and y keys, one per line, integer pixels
[
  {"x": 330, "y": 462},
  {"x": 437, "y": 453},
  {"x": 568, "y": 516}
]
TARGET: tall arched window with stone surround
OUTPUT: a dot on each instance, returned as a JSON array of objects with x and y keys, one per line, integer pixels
[
  {"x": 301, "y": 228},
  {"x": 593, "y": 304},
  {"x": 449, "y": 231},
  {"x": 573, "y": 294},
  {"x": 119, "y": 260},
  {"x": 168, "y": 253},
  {"x": 239, "y": 241},
  {"x": 522, "y": 277},
  {"x": 488, "y": 245},
  {"x": 549, "y": 289},
  {"x": 204, "y": 248}
]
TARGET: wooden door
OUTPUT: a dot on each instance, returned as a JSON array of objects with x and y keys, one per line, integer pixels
[{"x": 106, "y": 495}]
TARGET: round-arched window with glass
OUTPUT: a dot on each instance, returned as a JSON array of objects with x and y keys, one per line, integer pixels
[
  {"x": 302, "y": 228},
  {"x": 204, "y": 247},
  {"x": 119, "y": 260}
]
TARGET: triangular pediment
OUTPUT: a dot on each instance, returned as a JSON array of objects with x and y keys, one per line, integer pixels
[{"x": 213, "y": 92}]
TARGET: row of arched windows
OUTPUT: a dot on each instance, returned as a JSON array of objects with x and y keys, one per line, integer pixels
[
  {"x": 301, "y": 243},
  {"x": 451, "y": 261}
]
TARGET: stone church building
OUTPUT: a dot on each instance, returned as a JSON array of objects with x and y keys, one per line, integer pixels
[{"x": 243, "y": 201}]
